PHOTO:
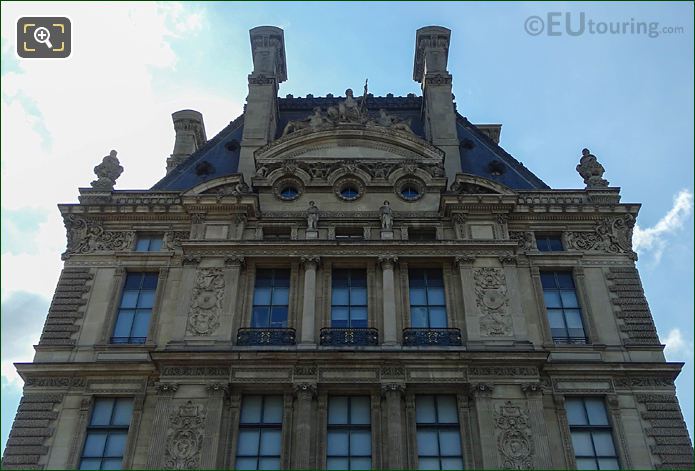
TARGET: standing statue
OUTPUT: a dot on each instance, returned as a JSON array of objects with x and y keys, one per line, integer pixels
[
  {"x": 312, "y": 216},
  {"x": 386, "y": 214},
  {"x": 591, "y": 170},
  {"x": 107, "y": 172},
  {"x": 349, "y": 110}
]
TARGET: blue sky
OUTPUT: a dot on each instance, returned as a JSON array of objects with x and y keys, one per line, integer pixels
[{"x": 627, "y": 97}]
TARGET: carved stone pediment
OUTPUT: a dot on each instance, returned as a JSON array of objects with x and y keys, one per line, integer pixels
[{"x": 466, "y": 184}]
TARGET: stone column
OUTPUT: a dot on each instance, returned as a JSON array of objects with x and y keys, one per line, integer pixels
[
  {"x": 472, "y": 321},
  {"x": 534, "y": 395},
  {"x": 260, "y": 118},
  {"x": 304, "y": 445},
  {"x": 561, "y": 412},
  {"x": 309, "y": 307},
  {"x": 211, "y": 438},
  {"x": 389, "y": 298},
  {"x": 430, "y": 70},
  {"x": 395, "y": 443},
  {"x": 160, "y": 423},
  {"x": 485, "y": 418},
  {"x": 234, "y": 416},
  {"x": 470, "y": 456},
  {"x": 234, "y": 265},
  {"x": 613, "y": 403},
  {"x": 519, "y": 329}
]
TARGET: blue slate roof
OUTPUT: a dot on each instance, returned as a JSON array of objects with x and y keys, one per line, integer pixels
[{"x": 479, "y": 154}]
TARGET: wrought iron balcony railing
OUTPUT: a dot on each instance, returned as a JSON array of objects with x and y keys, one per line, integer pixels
[
  {"x": 571, "y": 340},
  {"x": 265, "y": 336},
  {"x": 341, "y": 337},
  {"x": 415, "y": 337}
]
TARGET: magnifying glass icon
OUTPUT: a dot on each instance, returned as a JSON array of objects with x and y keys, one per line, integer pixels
[{"x": 43, "y": 36}]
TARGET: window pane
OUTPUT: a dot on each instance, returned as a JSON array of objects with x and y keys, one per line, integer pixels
[
  {"x": 548, "y": 279},
  {"x": 361, "y": 443},
  {"x": 245, "y": 463},
  {"x": 281, "y": 296},
  {"x": 101, "y": 414},
  {"x": 603, "y": 442},
  {"x": 555, "y": 243},
  {"x": 156, "y": 244},
  {"x": 424, "y": 410},
  {"x": 94, "y": 444},
  {"x": 150, "y": 281},
  {"x": 338, "y": 442},
  {"x": 360, "y": 463},
  {"x": 564, "y": 279},
  {"x": 339, "y": 295},
  {"x": 581, "y": 441},
  {"x": 337, "y": 463},
  {"x": 359, "y": 410},
  {"x": 133, "y": 281},
  {"x": 417, "y": 296},
  {"x": 450, "y": 442},
  {"x": 90, "y": 464},
  {"x": 141, "y": 324},
  {"x": 569, "y": 299},
  {"x": 272, "y": 410},
  {"x": 438, "y": 317},
  {"x": 129, "y": 299},
  {"x": 124, "y": 322},
  {"x": 436, "y": 296},
  {"x": 556, "y": 319},
  {"x": 338, "y": 410},
  {"x": 264, "y": 278},
  {"x": 358, "y": 313},
  {"x": 446, "y": 410},
  {"x": 146, "y": 299},
  {"x": 608, "y": 463},
  {"x": 575, "y": 411},
  {"x": 269, "y": 463},
  {"x": 416, "y": 277},
  {"x": 586, "y": 463},
  {"x": 261, "y": 296},
  {"x": 419, "y": 317},
  {"x": 112, "y": 463},
  {"x": 123, "y": 409},
  {"x": 596, "y": 410},
  {"x": 427, "y": 442},
  {"x": 358, "y": 278},
  {"x": 259, "y": 317},
  {"x": 142, "y": 245},
  {"x": 339, "y": 317},
  {"x": 248, "y": 442},
  {"x": 282, "y": 278},
  {"x": 428, "y": 463},
  {"x": 278, "y": 316},
  {"x": 358, "y": 296},
  {"x": 251, "y": 410},
  {"x": 552, "y": 299},
  {"x": 115, "y": 444},
  {"x": 452, "y": 463},
  {"x": 434, "y": 277},
  {"x": 270, "y": 442},
  {"x": 573, "y": 318}
]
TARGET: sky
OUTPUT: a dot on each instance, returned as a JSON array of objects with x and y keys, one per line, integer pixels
[{"x": 626, "y": 95}]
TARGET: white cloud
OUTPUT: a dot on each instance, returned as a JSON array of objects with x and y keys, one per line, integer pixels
[
  {"x": 678, "y": 347},
  {"x": 652, "y": 239}
]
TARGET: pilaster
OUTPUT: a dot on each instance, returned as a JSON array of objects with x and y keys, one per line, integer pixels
[{"x": 389, "y": 299}]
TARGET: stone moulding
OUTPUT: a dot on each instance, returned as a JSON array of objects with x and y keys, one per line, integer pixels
[{"x": 67, "y": 307}]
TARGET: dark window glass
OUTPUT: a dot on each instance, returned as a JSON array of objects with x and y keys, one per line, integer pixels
[
  {"x": 409, "y": 192},
  {"x": 349, "y": 435},
  {"x": 289, "y": 192},
  {"x": 349, "y": 192},
  {"x": 427, "y": 300},
  {"x": 260, "y": 433},
  {"x": 562, "y": 305},
  {"x": 107, "y": 433},
  {"x": 438, "y": 433},
  {"x": 349, "y": 299},
  {"x": 150, "y": 243},
  {"x": 349, "y": 233},
  {"x": 135, "y": 310},
  {"x": 277, "y": 233},
  {"x": 592, "y": 437},
  {"x": 422, "y": 234},
  {"x": 271, "y": 297},
  {"x": 549, "y": 243}
]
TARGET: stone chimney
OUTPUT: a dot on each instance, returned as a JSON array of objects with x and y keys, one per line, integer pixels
[
  {"x": 430, "y": 70},
  {"x": 190, "y": 136}
]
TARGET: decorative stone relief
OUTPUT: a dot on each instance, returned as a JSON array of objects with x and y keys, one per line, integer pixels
[
  {"x": 185, "y": 437},
  {"x": 591, "y": 170},
  {"x": 635, "y": 319},
  {"x": 492, "y": 300},
  {"x": 172, "y": 239},
  {"x": 514, "y": 440},
  {"x": 231, "y": 189},
  {"x": 107, "y": 172},
  {"x": 612, "y": 235},
  {"x": 86, "y": 236},
  {"x": 67, "y": 308},
  {"x": 206, "y": 304},
  {"x": 525, "y": 240}
]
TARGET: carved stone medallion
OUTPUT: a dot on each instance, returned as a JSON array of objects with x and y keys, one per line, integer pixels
[
  {"x": 514, "y": 440},
  {"x": 185, "y": 437},
  {"x": 492, "y": 300},
  {"x": 206, "y": 305}
]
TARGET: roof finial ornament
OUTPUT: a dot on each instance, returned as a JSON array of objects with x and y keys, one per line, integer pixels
[
  {"x": 107, "y": 172},
  {"x": 591, "y": 170}
]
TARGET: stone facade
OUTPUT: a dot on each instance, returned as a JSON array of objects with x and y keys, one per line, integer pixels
[{"x": 393, "y": 196}]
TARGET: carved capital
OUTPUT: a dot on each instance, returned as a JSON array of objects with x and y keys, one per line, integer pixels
[
  {"x": 392, "y": 388},
  {"x": 481, "y": 390},
  {"x": 507, "y": 259},
  {"x": 198, "y": 218},
  {"x": 463, "y": 261},
  {"x": 304, "y": 390},
  {"x": 190, "y": 260},
  {"x": 166, "y": 388},
  {"x": 234, "y": 261},
  {"x": 532, "y": 389},
  {"x": 387, "y": 262},
  {"x": 310, "y": 261},
  {"x": 217, "y": 389}
]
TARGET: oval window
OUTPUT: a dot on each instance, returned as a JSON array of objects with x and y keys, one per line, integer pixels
[
  {"x": 349, "y": 192},
  {"x": 289, "y": 193},
  {"x": 409, "y": 192}
]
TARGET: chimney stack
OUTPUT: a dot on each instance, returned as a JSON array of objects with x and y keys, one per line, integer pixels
[{"x": 190, "y": 136}]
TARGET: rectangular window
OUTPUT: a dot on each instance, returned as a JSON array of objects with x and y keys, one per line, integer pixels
[
  {"x": 260, "y": 433},
  {"x": 438, "y": 433},
  {"x": 592, "y": 437},
  {"x": 427, "y": 302},
  {"x": 107, "y": 433},
  {"x": 349, "y": 233},
  {"x": 135, "y": 310},
  {"x": 277, "y": 233},
  {"x": 427, "y": 233},
  {"x": 564, "y": 314},
  {"x": 271, "y": 297},
  {"x": 349, "y": 440},
  {"x": 349, "y": 299},
  {"x": 549, "y": 242},
  {"x": 148, "y": 243}
]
